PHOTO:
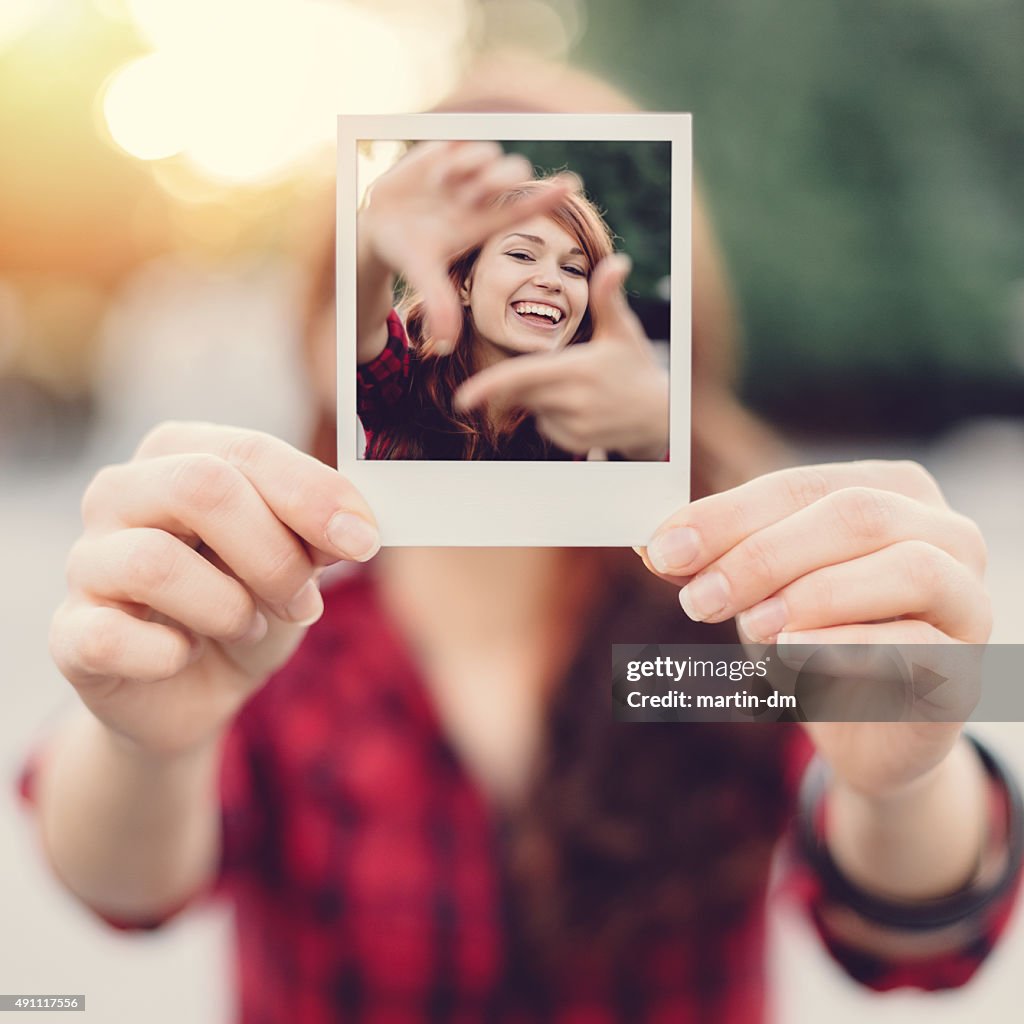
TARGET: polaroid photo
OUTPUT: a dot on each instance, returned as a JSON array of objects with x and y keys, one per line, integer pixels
[{"x": 520, "y": 471}]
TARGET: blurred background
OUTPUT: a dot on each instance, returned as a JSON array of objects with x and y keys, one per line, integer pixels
[{"x": 166, "y": 165}]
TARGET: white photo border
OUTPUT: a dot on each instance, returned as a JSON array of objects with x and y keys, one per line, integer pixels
[{"x": 497, "y": 503}]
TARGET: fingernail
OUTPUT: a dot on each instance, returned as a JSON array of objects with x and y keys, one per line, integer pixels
[
  {"x": 306, "y": 606},
  {"x": 764, "y": 620},
  {"x": 257, "y": 630},
  {"x": 784, "y": 641},
  {"x": 674, "y": 549},
  {"x": 355, "y": 538},
  {"x": 705, "y": 596},
  {"x": 793, "y": 648}
]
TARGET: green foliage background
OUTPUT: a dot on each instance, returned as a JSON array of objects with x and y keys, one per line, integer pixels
[
  {"x": 631, "y": 184},
  {"x": 864, "y": 164}
]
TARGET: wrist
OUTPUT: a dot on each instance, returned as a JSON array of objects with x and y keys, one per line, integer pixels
[
  {"x": 142, "y": 757},
  {"x": 131, "y": 831},
  {"x": 985, "y": 893},
  {"x": 375, "y": 288},
  {"x": 877, "y": 838}
]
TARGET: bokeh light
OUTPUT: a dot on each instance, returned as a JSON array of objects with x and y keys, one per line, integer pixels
[
  {"x": 248, "y": 91},
  {"x": 18, "y": 17},
  {"x": 140, "y": 109},
  {"x": 550, "y": 27}
]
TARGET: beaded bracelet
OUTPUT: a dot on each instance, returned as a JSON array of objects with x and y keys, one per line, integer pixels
[{"x": 918, "y": 915}]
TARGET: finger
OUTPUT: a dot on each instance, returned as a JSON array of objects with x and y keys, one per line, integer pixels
[
  {"x": 314, "y": 501},
  {"x": 153, "y": 569},
  {"x": 428, "y": 159},
  {"x": 701, "y": 532},
  {"x": 902, "y": 631},
  {"x": 841, "y": 526},
  {"x": 204, "y": 499},
  {"x": 94, "y": 642},
  {"x": 514, "y": 379},
  {"x": 497, "y": 178},
  {"x": 920, "y": 580},
  {"x": 612, "y": 317},
  {"x": 465, "y": 160},
  {"x": 940, "y": 677}
]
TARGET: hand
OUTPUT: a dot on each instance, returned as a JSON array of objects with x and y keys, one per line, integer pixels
[
  {"x": 195, "y": 578},
  {"x": 438, "y": 201},
  {"x": 610, "y": 393},
  {"x": 850, "y": 553}
]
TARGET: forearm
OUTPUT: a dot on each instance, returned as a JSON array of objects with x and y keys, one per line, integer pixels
[
  {"x": 375, "y": 284},
  {"x": 911, "y": 849},
  {"x": 131, "y": 834}
]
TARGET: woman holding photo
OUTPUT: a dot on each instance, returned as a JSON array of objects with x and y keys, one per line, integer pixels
[
  {"x": 420, "y": 807},
  {"x": 503, "y": 269}
]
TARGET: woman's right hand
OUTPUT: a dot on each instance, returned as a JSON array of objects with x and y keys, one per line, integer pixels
[
  {"x": 196, "y": 577},
  {"x": 438, "y": 200}
]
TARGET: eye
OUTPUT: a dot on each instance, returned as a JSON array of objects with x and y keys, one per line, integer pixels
[
  {"x": 525, "y": 257},
  {"x": 575, "y": 271}
]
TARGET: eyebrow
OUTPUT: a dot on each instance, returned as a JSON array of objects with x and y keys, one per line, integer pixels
[{"x": 537, "y": 240}]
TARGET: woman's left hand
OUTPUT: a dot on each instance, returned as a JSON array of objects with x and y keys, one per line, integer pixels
[
  {"x": 847, "y": 553},
  {"x": 610, "y": 393}
]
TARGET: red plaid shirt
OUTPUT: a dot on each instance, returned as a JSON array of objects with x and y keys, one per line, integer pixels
[
  {"x": 387, "y": 396},
  {"x": 383, "y": 382},
  {"x": 364, "y": 867}
]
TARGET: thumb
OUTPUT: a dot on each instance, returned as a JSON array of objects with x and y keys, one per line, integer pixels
[{"x": 612, "y": 317}]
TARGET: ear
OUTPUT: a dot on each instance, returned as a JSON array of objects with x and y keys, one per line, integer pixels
[{"x": 464, "y": 290}]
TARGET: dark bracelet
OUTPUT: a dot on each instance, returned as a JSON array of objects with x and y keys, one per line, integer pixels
[{"x": 917, "y": 915}]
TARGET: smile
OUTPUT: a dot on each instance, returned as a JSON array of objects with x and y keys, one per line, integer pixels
[{"x": 538, "y": 314}]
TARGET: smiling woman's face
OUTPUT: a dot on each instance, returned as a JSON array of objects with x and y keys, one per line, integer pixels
[{"x": 528, "y": 290}]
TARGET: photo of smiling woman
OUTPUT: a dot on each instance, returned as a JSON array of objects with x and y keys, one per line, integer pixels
[{"x": 513, "y": 339}]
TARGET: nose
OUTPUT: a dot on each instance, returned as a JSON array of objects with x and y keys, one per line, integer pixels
[{"x": 546, "y": 275}]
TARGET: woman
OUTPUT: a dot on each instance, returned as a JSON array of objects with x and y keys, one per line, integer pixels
[
  {"x": 507, "y": 265},
  {"x": 427, "y": 812}
]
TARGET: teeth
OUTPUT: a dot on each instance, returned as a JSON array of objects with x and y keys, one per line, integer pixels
[{"x": 541, "y": 310}]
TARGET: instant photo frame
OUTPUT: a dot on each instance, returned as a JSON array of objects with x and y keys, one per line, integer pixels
[{"x": 507, "y": 503}]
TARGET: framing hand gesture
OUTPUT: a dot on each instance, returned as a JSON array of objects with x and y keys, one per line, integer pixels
[{"x": 436, "y": 201}]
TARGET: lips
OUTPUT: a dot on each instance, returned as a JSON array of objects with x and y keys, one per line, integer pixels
[{"x": 541, "y": 315}]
